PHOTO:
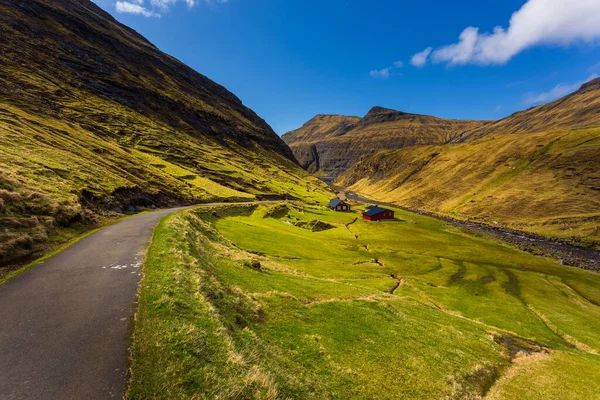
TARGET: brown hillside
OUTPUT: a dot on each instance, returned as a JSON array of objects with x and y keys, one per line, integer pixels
[
  {"x": 577, "y": 110},
  {"x": 329, "y": 145},
  {"x": 322, "y": 127},
  {"x": 546, "y": 182}
]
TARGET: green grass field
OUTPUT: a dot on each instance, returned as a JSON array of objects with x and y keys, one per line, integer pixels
[{"x": 412, "y": 308}]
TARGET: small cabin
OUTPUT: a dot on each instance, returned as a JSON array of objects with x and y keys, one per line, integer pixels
[
  {"x": 375, "y": 213},
  {"x": 339, "y": 205}
]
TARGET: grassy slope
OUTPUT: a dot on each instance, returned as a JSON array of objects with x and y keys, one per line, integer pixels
[
  {"x": 320, "y": 320},
  {"x": 329, "y": 144},
  {"x": 577, "y": 110},
  {"x": 547, "y": 183},
  {"x": 93, "y": 118}
]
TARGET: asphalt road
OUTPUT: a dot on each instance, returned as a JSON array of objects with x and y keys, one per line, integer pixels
[{"x": 65, "y": 324}]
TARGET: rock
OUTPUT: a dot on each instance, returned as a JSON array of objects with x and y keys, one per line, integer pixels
[
  {"x": 254, "y": 264},
  {"x": 314, "y": 225}
]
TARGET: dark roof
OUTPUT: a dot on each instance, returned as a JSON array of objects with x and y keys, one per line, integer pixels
[
  {"x": 335, "y": 202},
  {"x": 374, "y": 210}
]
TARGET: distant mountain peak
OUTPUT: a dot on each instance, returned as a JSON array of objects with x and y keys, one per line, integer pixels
[
  {"x": 381, "y": 114},
  {"x": 377, "y": 110},
  {"x": 330, "y": 144},
  {"x": 594, "y": 84}
]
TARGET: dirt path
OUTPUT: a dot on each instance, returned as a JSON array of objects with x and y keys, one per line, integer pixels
[{"x": 65, "y": 324}]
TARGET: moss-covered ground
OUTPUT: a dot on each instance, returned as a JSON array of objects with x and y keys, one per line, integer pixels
[{"x": 241, "y": 303}]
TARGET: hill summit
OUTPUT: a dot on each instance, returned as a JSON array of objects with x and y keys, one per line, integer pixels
[{"x": 576, "y": 110}]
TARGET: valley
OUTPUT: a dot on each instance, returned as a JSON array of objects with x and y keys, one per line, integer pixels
[
  {"x": 562, "y": 251},
  {"x": 159, "y": 239},
  {"x": 536, "y": 171},
  {"x": 543, "y": 183}
]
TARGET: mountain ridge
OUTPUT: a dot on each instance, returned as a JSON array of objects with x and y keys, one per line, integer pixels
[
  {"x": 329, "y": 144},
  {"x": 577, "y": 109},
  {"x": 128, "y": 51}
]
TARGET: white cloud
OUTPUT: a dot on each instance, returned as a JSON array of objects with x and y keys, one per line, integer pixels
[
  {"x": 538, "y": 22},
  {"x": 380, "y": 73},
  {"x": 127, "y": 7},
  {"x": 157, "y": 6},
  {"x": 560, "y": 90},
  {"x": 420, "y": 59},
  {"x": 384, "y": 73},
  {"x": 162, "y": 4}
]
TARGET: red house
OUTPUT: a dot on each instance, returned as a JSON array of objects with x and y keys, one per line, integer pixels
[{"x": 375, "y": 213}]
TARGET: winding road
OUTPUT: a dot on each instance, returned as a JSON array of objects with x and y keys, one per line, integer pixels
[{"x": 65, "y": 324}]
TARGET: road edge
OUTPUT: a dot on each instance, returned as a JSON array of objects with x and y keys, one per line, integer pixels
[
  {"x": 136, "y": 304},
  {"x": 63, "y": 247}
]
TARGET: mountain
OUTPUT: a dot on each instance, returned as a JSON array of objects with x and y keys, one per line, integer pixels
[
  {"x": 330, "y": 144},
  {"x": 537, "y": 171},
  {"x": 321, "y": 127},
  {"x": 95, "y": 120}
]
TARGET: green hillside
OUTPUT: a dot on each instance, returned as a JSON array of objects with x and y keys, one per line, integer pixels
[{"x": 95, "y": 121}]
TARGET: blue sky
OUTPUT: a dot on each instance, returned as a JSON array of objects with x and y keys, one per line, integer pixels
[{"x": 289, "y": 59}]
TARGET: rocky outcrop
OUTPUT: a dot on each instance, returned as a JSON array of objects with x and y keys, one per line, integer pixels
[{"x": 594, "y": 84}]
